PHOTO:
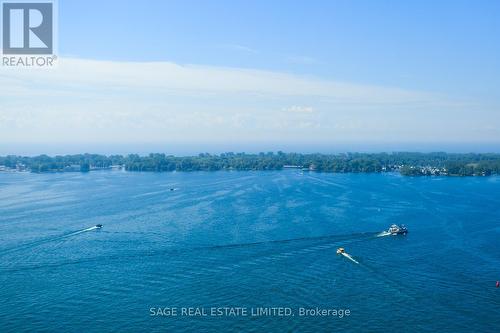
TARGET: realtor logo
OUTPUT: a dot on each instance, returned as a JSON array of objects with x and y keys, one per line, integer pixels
[{"x": 27, "y": 28}]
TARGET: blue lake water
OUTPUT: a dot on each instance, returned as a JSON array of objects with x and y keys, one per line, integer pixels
[{"x": 248, "y": 239}]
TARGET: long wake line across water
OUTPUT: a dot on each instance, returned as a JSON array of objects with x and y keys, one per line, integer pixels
[
  {"x": 341, "y": 237},
  {"x": 339, "y": 240},
  {"x": 46, "y": 240}
]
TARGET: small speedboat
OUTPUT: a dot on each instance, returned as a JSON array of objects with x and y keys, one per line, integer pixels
[
  {"x": 340, "y": 250},
  {"x": 397, "y": 230},
  {"x": 98, "y": 226}
]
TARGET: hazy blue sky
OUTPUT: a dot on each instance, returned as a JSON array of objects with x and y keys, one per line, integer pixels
[
  {"x": 445, "y": 46},
  {"x": 257, "y": 72}
]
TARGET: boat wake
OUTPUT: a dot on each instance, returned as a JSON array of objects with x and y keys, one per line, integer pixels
[
  {"x": 344, "y": 237},
  {"x": 350, "y": 258},
  {"x": 46, "y": 240},
  {"x": 81, "y": 231},
  {"x": 384, "y": 233}
]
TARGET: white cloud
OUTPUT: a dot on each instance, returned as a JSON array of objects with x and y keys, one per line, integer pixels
[
  {"x": 89, "y": 100},
  {"x": 300, "y": 109},
  {"x": 79, "y": 76},
  {"x": 238, "y": 47}
]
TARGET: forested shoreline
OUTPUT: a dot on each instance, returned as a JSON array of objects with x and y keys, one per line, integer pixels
[{"x": 407, "y": 163}]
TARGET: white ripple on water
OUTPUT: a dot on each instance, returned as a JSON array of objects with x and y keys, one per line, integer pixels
[{"x": 47, "y": 240}]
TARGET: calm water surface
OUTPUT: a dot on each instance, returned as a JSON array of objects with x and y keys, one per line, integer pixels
[{"x": 248, "y": 239}]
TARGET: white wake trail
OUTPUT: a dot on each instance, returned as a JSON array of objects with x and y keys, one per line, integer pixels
[
  {"x": 80, "y": 231},
  {"x": 350, "y": 258},
  {"x": 47, "y": 240}
]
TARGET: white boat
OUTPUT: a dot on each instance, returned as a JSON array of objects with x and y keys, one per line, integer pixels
[{"x": 397, "y": 230}]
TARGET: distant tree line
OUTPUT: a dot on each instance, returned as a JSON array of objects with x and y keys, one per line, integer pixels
[{"x": 409, "y": 164}]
